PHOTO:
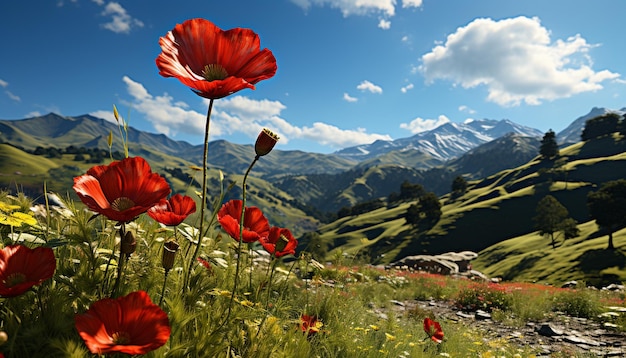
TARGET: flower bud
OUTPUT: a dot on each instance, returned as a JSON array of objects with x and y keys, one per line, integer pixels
[
  {"x": 169, "y": 254},
  {"x": 128, "y": 244},
  {"x": 265, "y": 142}
]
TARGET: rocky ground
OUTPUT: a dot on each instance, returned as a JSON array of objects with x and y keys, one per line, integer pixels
[{"x": 559, "y": 334}]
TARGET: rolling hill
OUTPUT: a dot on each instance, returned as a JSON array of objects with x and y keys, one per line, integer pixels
[{"x": 497, "y": 208}]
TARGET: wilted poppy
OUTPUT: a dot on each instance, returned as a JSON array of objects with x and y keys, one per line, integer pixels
[
  {"x": 22, "y": 268},
  {"x": 433, "y": 329},
  {"x": 212, "y": 62},
  {"x": 131, "y": 324},
  {"x": 310, "y": 324},
  {"x": 255, "y": 225},
  {"x": 265, "y": 142},
  {"x": 279, "y": 242},
  {"x": 173, "y": 211},
  {"x": 122, "y": 190}
]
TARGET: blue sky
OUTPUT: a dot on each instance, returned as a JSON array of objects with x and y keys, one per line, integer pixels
[{"x": 349, "y": 71}]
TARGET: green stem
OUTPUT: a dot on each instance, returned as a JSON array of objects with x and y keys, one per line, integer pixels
[
  {"x": 163, "y": 289},
  {"x": 241, "y": 225},
  {"x": 120, "y": 264},
  {"x": 204, "y": 190}
]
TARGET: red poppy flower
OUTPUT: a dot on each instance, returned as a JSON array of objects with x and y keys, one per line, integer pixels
[
  {"x": 22, "y": 268},
  {"x": 265, "y": 142},
  {"x": 279, "y": 242},
  {"x": 174, "y": 211},
  {"x": 433, "y": 329},
  {"x": 255, "y": 225},
  {"x": 131, "y": 324},
  {"x": 212, "y": 62},
  {"x": 310, "y": 325},
  {"x": 122, "y": 190}
]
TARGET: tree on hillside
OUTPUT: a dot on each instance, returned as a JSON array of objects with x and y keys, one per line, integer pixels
[
  {"x": 549, "y": 149},
  {"x": 410, "y": 191},
  {"x": 427, "y": 211},
  {"x": 600, "y": 126},
  {"x": 608, "y": 207},
  {"x": 552, "y": 217},
  {"x": 459, "y": 186}
]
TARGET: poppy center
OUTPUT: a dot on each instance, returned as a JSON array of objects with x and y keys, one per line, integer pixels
[
  {"x": 214, "y": 72},
  {"x": 122, "y": 203},
  {"x": 120, "y": 338},
  {"x": 14, "y": 279}
]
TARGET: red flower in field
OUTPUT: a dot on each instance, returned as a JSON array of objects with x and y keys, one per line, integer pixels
[
  {"x": 22, "y": 268},
  {"x": 265, "y": 142},
  {"x": 131, "y": 324},
  {"x": 122, "y": 190},
  {"x": 212, "y": 62},
  {"x": 309, "y": 324},
  {"x": 174, "y": 211},
  {"x": 433, "y": 329},
  {"x": 255, "y": 225},
  {"x": 279, "y": 242}
]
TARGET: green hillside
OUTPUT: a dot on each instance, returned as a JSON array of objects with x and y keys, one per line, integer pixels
[
  {"x": 529, "y": 258},
  {"x": 494, "y": 209},
  {"x": 28, "y": 173}
]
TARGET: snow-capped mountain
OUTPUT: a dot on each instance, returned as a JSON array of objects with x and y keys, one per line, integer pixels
[
  {"x": 572, "y": 133},
  {"x": 444, "y": 142}
]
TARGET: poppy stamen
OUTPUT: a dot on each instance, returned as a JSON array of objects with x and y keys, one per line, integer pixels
[
  {"x": 214, "y": 72},
  {"x": 14, "y": 279},
  {"x": 120, "y": 338},
  {"x": 122, "y": 203}
]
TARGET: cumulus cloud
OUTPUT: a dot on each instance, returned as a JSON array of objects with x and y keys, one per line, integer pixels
[
  {"x": 407, "y": 88},
  {"x": 121, "y": 21},
  {"x": 11, "y": 95},
  {"x": 236, "y": 114},
  {"x": 106, "y": 115},
  {"x": 516, "y": 61},
  {"x": 466, "y": 109},
  {"x": 348, "y": 98},
  {"x": 411, "y": 3},
  {"x": 370, "y": 87},
  {"x": 419, "y": 125},
  {"x": 384, "y": 24},
  {"x": 359, "y": 7},
  {"x": 352, "y": 7},
  {"x": 167, "y": 117}
]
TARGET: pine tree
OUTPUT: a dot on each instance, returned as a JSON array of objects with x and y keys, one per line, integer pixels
[{"x": 549, "y": 148}]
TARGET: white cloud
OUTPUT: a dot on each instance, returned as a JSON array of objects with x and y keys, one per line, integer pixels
[
  {"x": 167, "y": 117},
  {"x": 422, "y": 125},
  {"x": 516, "y": 60},
  {"x": 12, "y": 96},
  {"x": 370, "y": 87},
  {"x": 99, "y": 2},
  {"x": 348, "y": 98},
  {"x": 236, "y": 114},
  {"x": 33, "y": 114},
  {"x": 384, "y": 24},
  {"x": 406, "y": 88},
  {"x": 121, "y": 21},
  {"x": 411, "y": 3},
  {"x": 352, "y": 7},
  {"x": 106, "y": 115},
  {"x": 464, "y": 108}
]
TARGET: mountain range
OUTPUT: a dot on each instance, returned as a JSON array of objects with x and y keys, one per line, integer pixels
[{"x": 326, "y": 182}]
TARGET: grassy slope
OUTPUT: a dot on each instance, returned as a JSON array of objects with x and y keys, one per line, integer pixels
[
  {"x": 496, "y": 209},
  {"x": 57, "y": 175}
]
